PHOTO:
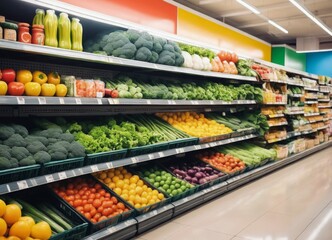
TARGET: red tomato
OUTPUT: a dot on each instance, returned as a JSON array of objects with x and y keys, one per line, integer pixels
[
  {"x": 15, "y": 88},
  {"x": 222, "y": 55},
  {"x": 114, "y": 94},
  {"x": 8, "y": 75}
]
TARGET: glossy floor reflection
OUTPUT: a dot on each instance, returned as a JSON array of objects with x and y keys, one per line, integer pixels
[{"x": 292, "y": 203}]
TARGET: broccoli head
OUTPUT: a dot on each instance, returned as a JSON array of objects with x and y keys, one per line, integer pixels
[
  {"x": 19, "y": 129},
  {"x": 57, "y": 152},
  {"x": 15, "y": 140},
  {"x": 35, "y": 146},
  {"x": 143, "y": 54},
  {"x": 32, "y": 138},
  {"x": 27, "y": 161},
  {"x": 133, "y": 35},
  {"x": 126, "y": 51},
  {"x": 14, "y": 163},
  {"x": 145, "y": 40},
  {"x": 19, "y": 153},
  {"x": 115, "y": 40},
  {"x": 167, "y": 58},
  {"x": 179, "y": 59},
  {"x": 4, "y": 163},
  {"x": 52, "y": 141},
  {"x": 42, "y": 157},
  {"x": 158, "y": 44},
  {"x": 6, "y": 132},
  {"x": 68, "y": 137},
  {"x": 76, "y": 150},
  {"x": 5, "y": 151},
  {"x": 51, "y": 133},
  {"x": 154, "y": 57}
]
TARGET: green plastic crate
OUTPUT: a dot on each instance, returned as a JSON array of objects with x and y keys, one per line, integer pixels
[
  {"x": 93, "y": 227},
  {"x": 19, "y": 173},
  {"x": 95, "y": 158},
  {"x": 184, "y": 142},
  {"x": 157, "y": 147},
  {"x": 61, "y": 165}
]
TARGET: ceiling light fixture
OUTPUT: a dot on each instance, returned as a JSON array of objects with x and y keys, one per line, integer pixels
[
  {"x": 303, "y": 9},
  {"x": 251, "y": 8},
  {"x": 278, "y": 26}
]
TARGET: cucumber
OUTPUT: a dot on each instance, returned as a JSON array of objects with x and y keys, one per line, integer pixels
[
  {"x": 9, "y": 25},
  {"x": 56, "y": 215}
]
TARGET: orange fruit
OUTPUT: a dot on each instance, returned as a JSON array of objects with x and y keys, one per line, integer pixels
[
  {"x": 28, "y": 220},
  {"x": 12, "y": 214},
  {"x": 41, "y": 230},
  {"x": 13, "y": 238},
  {"x": 2, "y": 208},
  {"x": 3, "y": 227},
  {"x": 20, "y": 229}
]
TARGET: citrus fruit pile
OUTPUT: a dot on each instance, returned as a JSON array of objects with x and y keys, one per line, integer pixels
[
  {"x": 15, "y": 227},
  {"x": 130, "y": 187},
  {"x": 165, "y": 181}
]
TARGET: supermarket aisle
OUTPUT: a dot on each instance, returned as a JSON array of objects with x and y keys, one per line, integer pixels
[{"x": 292, "y": 203}]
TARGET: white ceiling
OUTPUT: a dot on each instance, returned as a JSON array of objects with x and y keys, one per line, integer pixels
[{"x": 282, "y": 12}]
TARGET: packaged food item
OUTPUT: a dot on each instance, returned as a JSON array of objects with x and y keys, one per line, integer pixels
[
  {"x": 2, "y": 19},
  {"x": 79, "y": 88},
  {"x": 23, "y": 33},
  {"x": 69, "y": 81},
  {"x": 39, "y": 17},
  {"x": 100, "y": 88},
  {"x": 51, "y": 28},
  {"x": 64, "y": 29},
  {"x": 9, "y": 30},
  {"x": 38, "y": 36},
  {"x": 282, "y": 151},
  {"x": 90, "y": 89},
  {"x": 76, "y": 34}
]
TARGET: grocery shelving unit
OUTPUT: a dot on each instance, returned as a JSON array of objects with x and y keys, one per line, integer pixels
[{"x": 54, "y": 106}]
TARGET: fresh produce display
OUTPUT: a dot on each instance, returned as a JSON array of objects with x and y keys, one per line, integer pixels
[
  {"x": 277, "y": 121},
  {"x": 272, "y": 110},
  {"x": 130, "y": 187},
  {"x": 89, "y": 198},
  {"x": 293, "y": 90},
  {"x": 244, "y": 68},
  {"x": 47, "y": 143},
  {"x": 250, "y": 154},
  {"x": 274, "y": 93},
  {"x": 33, "y": 224},
  {"x": 262, "y": 71},
  {"x": 242, "y": 121},
  {"x": 275, "y": 135},
  {"x": 194, "y": 124},
  {"x": 197, "y": 58},
  {"x": 225, "y": 163},
  {"x": 118, "y": 133},
  {"x": 141, "y": 46},
  {"x": 136, "y": 87},
  {"x": 163, "y": 180},
  {"x": 193, "y": 171}
]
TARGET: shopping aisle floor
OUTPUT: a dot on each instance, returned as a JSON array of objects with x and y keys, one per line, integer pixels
[{"x": 292, "y": 203}]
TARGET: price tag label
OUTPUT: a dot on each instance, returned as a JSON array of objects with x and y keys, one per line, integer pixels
[
  {"x": 223, "y": 113},
  {"x": 179, "y": 150},
  {"x": 111, "y": 230},
  {"x": 22, "y": 184},
  {"x": 20, "y": 100},
  {"x": 62, "y": 175},
  {"x": 207, "y": 109},
  {"x": 150, "y": 156},
  {"x": 78, "y": 101},
  {"x": 109, "y": 165},
  {"x": 94, "y": 168},
  {"x": 197, "y": 147},
  {"x": 126, "y": 223},
  {"x": 49, "y": 178},
  {"x": 212, "y": 102},
  {"x": 213, "y": 144},
  {"x": 99, "y": 101},
  {"x": 194, "y": 102},
  {"x": 110, "y": 101},
  {"x": 185, "y": 199},
  {"x": 42, "y": 100},
  {"x": 155, "y": 66},
  {"x": 62, "y": 101},
  {"x": 161, "y": 154},
  {"x": 110, "y": 60},
  {"x": 148, "y": 102},
  {"x": 154, "y": 213},
  {"x": 116, "y": 101},
  {"x": 134, "y": 160},
  {"x": 171, "y": 102}
]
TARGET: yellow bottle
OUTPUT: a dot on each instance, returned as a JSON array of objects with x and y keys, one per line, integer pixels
[
  {"x": 51, "y": 28},
  {"x": 64, "y": 28},
  {"x": 76, "y": 35}
]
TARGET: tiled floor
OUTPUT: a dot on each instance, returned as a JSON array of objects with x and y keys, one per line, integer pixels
[{"x": 292, "y": 203}]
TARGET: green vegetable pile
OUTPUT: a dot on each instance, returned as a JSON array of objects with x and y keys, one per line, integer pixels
[
  {"x": 250, "y": 154},
  {"x": 295, "y": 90},
  {"x": 244, "y": 69},
  {"x": 202, "y": 52},
  {"x": 47, "y": 143},
  {"x": 141, "y": 46},
  {"x": 129, "y": 87},
  {"x": 118, "y": 133}
]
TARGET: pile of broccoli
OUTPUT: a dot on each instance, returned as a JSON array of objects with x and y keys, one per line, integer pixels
[
  {"x": 111, "y": 134},
  {"x": 141, "y": 46},
  {"x": 19, "y": 148}
]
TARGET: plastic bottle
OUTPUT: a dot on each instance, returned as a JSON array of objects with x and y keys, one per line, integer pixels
[
  {"x": 51, "y": 28},
  {"x": 76, "y": 35},
  {"x": 64, "y": 31},
  {"x": 39, "y": 17}
]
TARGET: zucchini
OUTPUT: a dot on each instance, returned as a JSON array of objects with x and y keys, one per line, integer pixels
[
  {"x": 56, "y": 215},
  {"x": 9, "y": 25},
  {"x": 32, "y": 210}
]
